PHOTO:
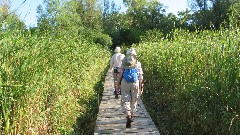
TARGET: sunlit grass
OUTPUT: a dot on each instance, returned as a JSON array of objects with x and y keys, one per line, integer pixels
[
  {"x": 194, "y": 82},
  {"x": 48, "y": 83}
]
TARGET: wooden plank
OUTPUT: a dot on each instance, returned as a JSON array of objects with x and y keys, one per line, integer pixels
[{"x": 112, "y": 120}]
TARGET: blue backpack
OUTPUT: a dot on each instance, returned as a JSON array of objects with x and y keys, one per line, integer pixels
[{"x": 130, "y": 75}]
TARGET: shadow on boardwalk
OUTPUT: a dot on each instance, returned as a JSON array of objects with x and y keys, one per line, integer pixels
[{"x": 112, "y": 120}]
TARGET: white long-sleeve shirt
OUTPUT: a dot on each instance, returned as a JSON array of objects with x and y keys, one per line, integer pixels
[
  {"x": 116, "y": 60},
  {"x": 140, "y": 71}
]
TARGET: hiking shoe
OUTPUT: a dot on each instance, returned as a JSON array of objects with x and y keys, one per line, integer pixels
[
  {"x": 115, "y": 92},
  {"x": 128, "y": 124},
  {"x": 116, "y": 96}
]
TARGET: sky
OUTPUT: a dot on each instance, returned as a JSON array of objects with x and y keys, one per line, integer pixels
[{"x": 28, "y": 10}]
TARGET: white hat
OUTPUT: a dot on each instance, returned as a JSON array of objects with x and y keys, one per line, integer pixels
[
  {"x": 131, "y": 51},
  {"x": 117, "y": 49}
]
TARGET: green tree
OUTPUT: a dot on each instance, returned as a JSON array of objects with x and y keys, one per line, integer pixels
[
  {"x": 79, "y": 17},
  {"x": 63, "y": 14},
  {"x": 208, "y": 14},
  {"x": 9, "y": 20},
  {"x": 48, "y": 15},
  {"x": 221, "y": 9},
  {"x": 144, "y": 15},
  {"x": 202, "y": 13},
  {"x": 184, "y": 18},
  {"x": 141, "y": 18},
  {"x": 115, "y": 23},
  {"x": 90, "y": 13}
]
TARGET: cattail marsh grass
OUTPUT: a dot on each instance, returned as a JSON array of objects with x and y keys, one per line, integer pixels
[
  {"x": 193, "y": 82},
  {"x": 49, "y": 84}
]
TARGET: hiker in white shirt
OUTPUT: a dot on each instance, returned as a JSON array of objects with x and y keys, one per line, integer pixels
[
  {"x": 131, "y": 78},
  {"x": 115, "y": 66}
]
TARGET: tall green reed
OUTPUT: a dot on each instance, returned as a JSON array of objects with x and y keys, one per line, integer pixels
[
  {"x": 194, "y": 80},
  {"x": 48, "y": 82}
]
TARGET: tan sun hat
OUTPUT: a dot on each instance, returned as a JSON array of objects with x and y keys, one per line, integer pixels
[
  {"x": 130, "y": 60},
  {"x": 131, "y": 51}
]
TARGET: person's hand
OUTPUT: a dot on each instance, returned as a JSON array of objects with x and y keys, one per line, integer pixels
[{"x": 140, "y": 91}]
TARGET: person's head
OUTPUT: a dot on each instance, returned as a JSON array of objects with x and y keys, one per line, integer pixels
[
  {"x": 117, "y": 49},
  {"x": 131, "y": 51},
  {"x": 130, "y": 59}
]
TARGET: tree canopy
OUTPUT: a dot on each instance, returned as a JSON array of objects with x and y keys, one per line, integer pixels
[{"x": 105, "y": 24}]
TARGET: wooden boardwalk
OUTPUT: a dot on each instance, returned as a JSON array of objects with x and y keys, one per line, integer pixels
[{"x": 112, "y": 120}]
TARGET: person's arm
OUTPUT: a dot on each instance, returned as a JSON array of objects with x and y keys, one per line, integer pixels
[
  {"x": 119, "y": 78},
  {"x": 139, "y": 67},
  {"x": 140, "y": 86},
  {"x": 118, "y": 82},
  {"x": 112, "y": 62}
]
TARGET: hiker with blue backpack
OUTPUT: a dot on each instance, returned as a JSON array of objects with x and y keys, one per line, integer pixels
[
  {"x": 115, "y": 66},
  {"x": 131, "y": 78}
]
